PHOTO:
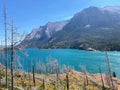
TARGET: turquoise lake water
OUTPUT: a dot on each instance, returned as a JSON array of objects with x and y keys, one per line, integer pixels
[{"x": 76, "y": 58}]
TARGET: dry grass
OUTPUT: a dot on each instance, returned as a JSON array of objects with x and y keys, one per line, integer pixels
[{"x": 77, "y": 81}]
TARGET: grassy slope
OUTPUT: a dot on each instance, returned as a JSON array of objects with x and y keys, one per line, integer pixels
[{"x": 77, "y": 81}]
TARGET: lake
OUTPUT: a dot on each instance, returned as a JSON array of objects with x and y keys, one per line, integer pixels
[{"x": 76, "y": 58}]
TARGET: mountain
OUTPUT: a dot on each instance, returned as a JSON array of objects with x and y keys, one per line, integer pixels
[
  {"x": 94, "y": 27},
  {"x": 39, "y": 36}
]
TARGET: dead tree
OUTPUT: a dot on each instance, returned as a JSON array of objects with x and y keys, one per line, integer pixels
[
  {"x": 85, "y": 78},
  {"x": 0, "y": 67},
  {"x": 0, "y": 77},
  {"x": 85, "y": 74},
  {"x": 12, "y": 55},
  {"x": 43, "y": 86},
  {"x": 6, "y": 55},
  {"x": 0, "y": 74},
  {"x": 33, "y": 74},
  {"x": 29, "y": 80},
  {"x": 109, "y": 71},
  {"x": 84, "y": 84},
  {"x": 1, "y": 55},
  {"x": 103, "y": 86},
  {"x": 67, "y": 81},
  {"x": 14, "y": 40},
  {"x": 55, "y": 63}
]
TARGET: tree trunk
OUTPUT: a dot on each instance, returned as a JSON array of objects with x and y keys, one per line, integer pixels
[
  {"x": 33, "y": 75},
  {"x": 43, "y": 84},
  {"x": 67, "y": 82},
  {"x": 103, "y": 86},
  {"x": 109, "y": 71},
  {"x": 6, "y": 56},
  {"x": 12, "y": 55}
]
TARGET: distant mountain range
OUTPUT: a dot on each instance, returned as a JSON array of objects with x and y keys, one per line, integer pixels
[
  {"x": 40, "y": 36},
  {"x": 95, "y": 28}
]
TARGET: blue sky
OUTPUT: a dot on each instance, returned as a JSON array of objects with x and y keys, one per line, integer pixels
[{"x": 29, "y": 14}]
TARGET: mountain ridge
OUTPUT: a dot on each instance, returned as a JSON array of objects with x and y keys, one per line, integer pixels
[
  {"x": 42, "y": 33},
  {"x": 93, "y": 27}
]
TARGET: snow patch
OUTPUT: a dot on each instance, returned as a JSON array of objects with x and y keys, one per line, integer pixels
[{"x": 87, "y": 26}]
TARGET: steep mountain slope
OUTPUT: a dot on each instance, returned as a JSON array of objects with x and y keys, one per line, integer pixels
[
  {"x": 39, "y": 36},
  {"x": 94, "y": 27},
  {"x": 97, "y": 28}
]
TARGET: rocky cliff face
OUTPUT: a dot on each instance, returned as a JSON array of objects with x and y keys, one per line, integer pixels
[{"x": 40, "y": 35}]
